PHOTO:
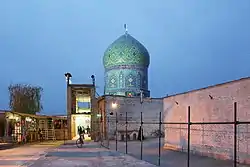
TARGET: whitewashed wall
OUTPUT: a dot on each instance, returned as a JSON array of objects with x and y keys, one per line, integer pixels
[{"x": 150, "y": 108}]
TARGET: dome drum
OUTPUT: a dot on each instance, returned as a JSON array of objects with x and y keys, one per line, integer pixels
[{"x": 125, "y": 80}]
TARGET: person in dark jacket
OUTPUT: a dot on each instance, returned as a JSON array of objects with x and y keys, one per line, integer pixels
[
  {"x": 40, "y": 134},
  {"x": 88, "y": 130}
]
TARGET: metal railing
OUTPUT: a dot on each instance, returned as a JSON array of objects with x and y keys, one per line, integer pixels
[
  {"x": 22, "y": 137},
  {"x": 106, "y": 140}
]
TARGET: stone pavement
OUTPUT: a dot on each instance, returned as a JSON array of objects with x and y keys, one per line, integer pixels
[
  {"x": 4, "y": 146},
  {"x": 91, "y": 155},
  {"x": 26, "y": 154},
  {"x": 168, "y": 158}
]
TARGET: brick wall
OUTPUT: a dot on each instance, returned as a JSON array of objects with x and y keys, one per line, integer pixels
[
  {"x": 210, "y": 140},
  {"x": 150, "y": 109},
  {"x": 2, "y": 123}
]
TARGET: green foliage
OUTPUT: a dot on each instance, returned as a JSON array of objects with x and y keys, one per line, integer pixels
[{"x": 25, "y": 98}]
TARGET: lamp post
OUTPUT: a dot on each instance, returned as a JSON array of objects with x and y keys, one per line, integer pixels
[
  {"x": 141, "y": 130},
  {"x": 114, "y": 106},
  {"x": 93, "y": 79},
  {"x": 68, "y": 76}
]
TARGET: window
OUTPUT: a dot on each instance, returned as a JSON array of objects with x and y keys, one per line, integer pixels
[{"x": 83, "y": 105}]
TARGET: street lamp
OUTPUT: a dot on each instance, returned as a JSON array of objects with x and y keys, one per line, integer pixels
[
  {"x": 114, "y": 106},
  {"x": 68, "y": 76},
  {"x": 93, "y": 79}
]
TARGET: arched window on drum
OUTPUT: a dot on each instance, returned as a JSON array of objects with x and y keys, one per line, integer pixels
[
  {"x": 130, "y": 80},
  {"x": 113, "y": 81}
]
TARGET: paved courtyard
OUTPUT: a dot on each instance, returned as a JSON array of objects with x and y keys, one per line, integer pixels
[
  {"x": 91, "y": 155},
  {"x": 55, "y": 154},
  {"x": 25, "y": 155},
  {"x": 168, "y": 158}
]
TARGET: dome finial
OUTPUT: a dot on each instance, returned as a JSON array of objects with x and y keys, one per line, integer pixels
[{"x": 126, "y": 29}]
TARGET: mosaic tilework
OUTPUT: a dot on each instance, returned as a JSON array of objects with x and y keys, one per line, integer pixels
[
  {"x": 123, "y": 80},
  {"x": 126, "y": 50},
  {"x": 126, "y": 64}
]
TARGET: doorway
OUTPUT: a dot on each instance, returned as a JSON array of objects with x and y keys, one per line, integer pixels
[{"x": 83, "y": 120}]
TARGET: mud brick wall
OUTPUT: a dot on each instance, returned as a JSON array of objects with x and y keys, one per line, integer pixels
[
  {"x": 210, "y": 104},
  {"x": 150, "y": 109},
  {"x": 2, "y": 124}
]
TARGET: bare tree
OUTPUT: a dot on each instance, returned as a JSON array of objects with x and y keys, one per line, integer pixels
[{"x": 25, "y": 98}]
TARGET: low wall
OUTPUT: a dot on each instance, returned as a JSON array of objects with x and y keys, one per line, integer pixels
[
  {"x": 213, "y": 104},
  {"x": 150, "y": 109},
  {"x": 2, "y": 124},
  {"x": 61, "y": 134}
]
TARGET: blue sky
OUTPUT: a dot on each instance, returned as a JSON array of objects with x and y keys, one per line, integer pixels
[{"x": 192, "y": 43}]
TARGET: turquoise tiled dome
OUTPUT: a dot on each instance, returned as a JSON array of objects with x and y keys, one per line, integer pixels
[
  {"x": 126, "y": 50},
  {"x": 126, "y": 63}
]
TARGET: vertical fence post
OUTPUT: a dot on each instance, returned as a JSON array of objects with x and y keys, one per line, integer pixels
[
  {"x": 108, "y": 133},
  {"x": 101, "y": 131},
  {"x": 126, "y": 133},
  {"x": 159, "y": 146},
  {"x": 102, "y": 128},
  {"x": 247, "y": 133},
  {"x": 188, "y": 147},
  {"x": 141, "y": 135},
  {"x": 64, "y": 134},
  {"x": 203, "y": 132},
  {"x": 235, "y": 134},
  {"x": 116, "y": 121}
]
